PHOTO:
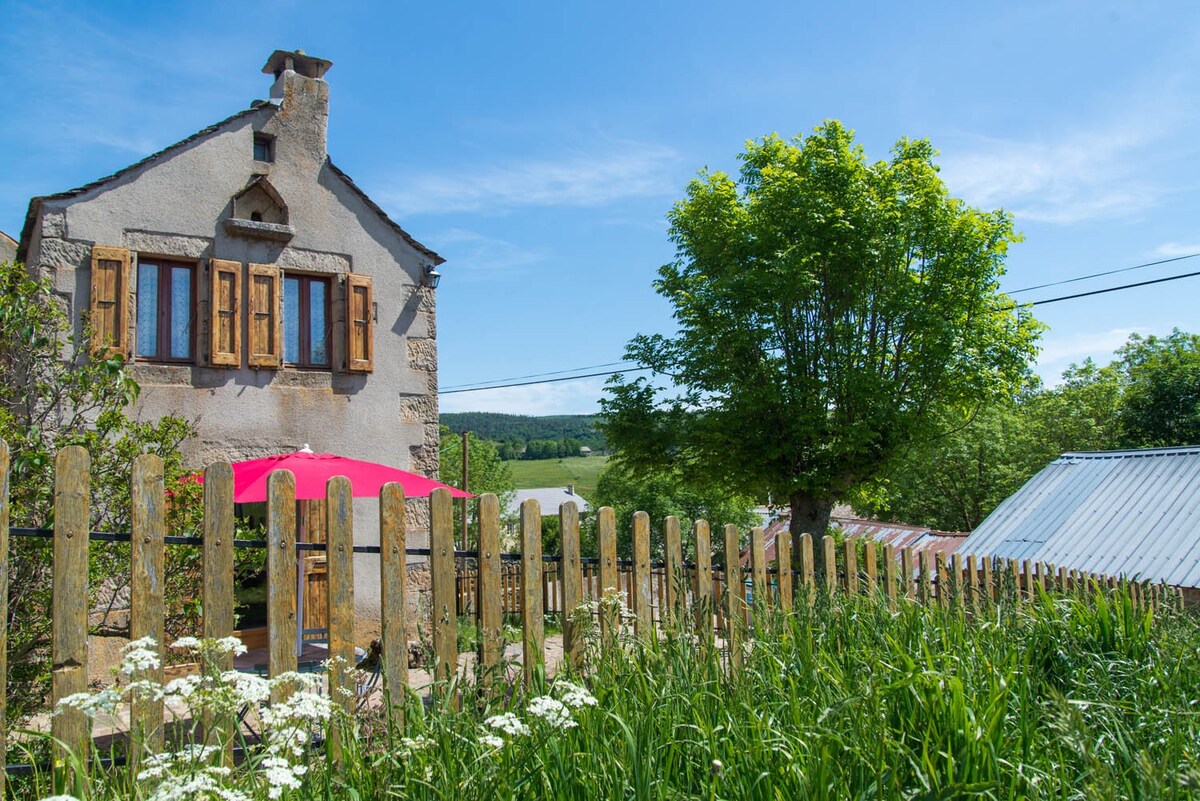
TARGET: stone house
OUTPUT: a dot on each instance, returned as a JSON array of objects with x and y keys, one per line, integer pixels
[{"x": 256, "y": 290}]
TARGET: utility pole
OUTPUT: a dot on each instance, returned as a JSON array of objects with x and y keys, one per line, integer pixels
[{"x": 466, "y": 447}]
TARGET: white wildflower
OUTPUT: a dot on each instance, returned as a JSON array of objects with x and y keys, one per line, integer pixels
[
  {"x": 187, "y": 642},
  {"x": 60, "y": 798},
  {"x": 145, "y": 689},
  {"x": 91, "y": 704},
  {"x": 552, "y": 711},
  {"x": 296, "y": 680},
  {"x": 139, "y": 658},
  {"x": 182, "y": 687},
  {"x": 229, "y": 645},
  {"x": 280, "y": 775},
  {"x": 411, "y": 745},
  {"x": 508, "y": 723},
  {"x": 575, "y": 696},
  {"x": 143, "y": 644},
  {"x": 250, "y": 689},
  {"x": 492, "y": 741}
]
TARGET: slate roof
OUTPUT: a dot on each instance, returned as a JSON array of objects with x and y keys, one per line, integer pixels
[
  {"x": 548, "y": 498},
  {"x": 1132, "y": 513},
  {"x": 35, "y": 204}
]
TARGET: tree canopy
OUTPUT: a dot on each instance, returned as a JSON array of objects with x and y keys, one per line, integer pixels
[
  {"x": 1148, "y": 396},
  {"x": 829, "y": 311}
]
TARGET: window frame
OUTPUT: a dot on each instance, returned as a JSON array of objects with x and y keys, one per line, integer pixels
[
  {"x": 304, "y": 322},
  {"x": 268, "y": 143},
  {"x": 162, "y": 315}
]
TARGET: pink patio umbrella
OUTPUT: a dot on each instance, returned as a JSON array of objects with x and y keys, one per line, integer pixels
[{"x": 313, "y": 471}]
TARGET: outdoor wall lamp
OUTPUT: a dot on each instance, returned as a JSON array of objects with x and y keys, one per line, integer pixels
[{"x": 432, "y": 277}]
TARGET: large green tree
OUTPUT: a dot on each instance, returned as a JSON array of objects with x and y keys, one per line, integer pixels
[{"x": 829, "y": 311}]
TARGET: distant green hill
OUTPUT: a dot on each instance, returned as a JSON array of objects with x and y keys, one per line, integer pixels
[
  {"x": 580, "y": 471},
  {"x": 521, "y": 429}
]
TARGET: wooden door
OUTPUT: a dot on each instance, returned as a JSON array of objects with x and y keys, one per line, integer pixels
[{"x": 314, "y": 577}]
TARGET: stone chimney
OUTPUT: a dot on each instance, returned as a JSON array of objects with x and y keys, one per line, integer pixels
[
  {"x": 302, "y": 94},
  {"x": 570, "y": 489}
]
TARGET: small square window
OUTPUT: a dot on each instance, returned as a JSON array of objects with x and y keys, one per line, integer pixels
[{"x": 264, "y": 147}]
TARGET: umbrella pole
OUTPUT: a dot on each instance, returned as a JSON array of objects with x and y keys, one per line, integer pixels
[{"x": 302, "y": 531}]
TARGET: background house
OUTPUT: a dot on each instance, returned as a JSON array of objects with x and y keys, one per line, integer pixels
[
  {"x": 8, "y": 247},
  {"x": 1133, "y": 513},
  {"x": 898, "y": 535},
  {"x": 256, "y": 290},
  {"x": 548, "y": 498}
]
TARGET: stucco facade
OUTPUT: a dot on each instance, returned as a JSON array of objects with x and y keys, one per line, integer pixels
[{"x": 257, "y": 196}]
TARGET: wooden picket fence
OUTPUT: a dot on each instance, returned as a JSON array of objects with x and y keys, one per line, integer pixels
[{"x": 664, "y": 593}]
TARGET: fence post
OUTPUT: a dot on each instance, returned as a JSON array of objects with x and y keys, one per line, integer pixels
[
  {"x": 735, "y": 598},
  {"x": 908, "y": 572},
  {"x": 702, "y": 586},
  {"x": 944, "y": 590},
  {"x": 807, "y": 568},
  {"x": 68, "y": 624},
  {"x": 889, "y": 577},
  {"x": 339, "y": 558},
  {"x": 928, "y": 571},
  {"x": 783, "y": 561},
  {"x": 147, "y": 616},
  {"x": 4, "y": 517},
  {"x": 758, "y": 568},
  {"x": 490, "y": 602},
  {"x": 610, "y": 617},
  {"x": 441, "y": 579},
  {"x": 217, "y": 593},
  {"x": 281, "y": 572},
  {"x": 644, "y": 620},
  {"x": 673, "y": 565},
  {"x": 850, "y": 562},
  {"x": 393, "y": 606},
  {"x": 972, "y": 583},
  {"x": 871, "y": 567},
  {"x": 532, "y": 616},
  {"x": 1027, "y": 568},
  {"x": 572, "y": 583},
  {"x": 829, "y": 564}
]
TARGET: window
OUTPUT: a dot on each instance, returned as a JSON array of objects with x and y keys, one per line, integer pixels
[
  {"x": 306, "y": 320},
  {"x": 165, "y": 299},
  {"x": 264, "y": 147}
]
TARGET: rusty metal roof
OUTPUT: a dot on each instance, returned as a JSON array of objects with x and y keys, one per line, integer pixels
[
  {"x": 898, "y": 535},
  {"x": 1133, "y": 513}
]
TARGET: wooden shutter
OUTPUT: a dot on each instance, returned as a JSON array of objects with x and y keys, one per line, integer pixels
[
  {"x": 109, "y": 305},
  {"x": 264, "y": 330},
  {"x": 225, "y": 304},
  {"x": 360, "y": 325}
]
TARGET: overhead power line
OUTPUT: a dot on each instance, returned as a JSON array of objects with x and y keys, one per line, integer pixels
[
  {"x": 480, "y": 384},
  {"x": 1029, "y": 304},
  {"x": 1102, "y": 274},
  {"x": 543, "y": 381}
]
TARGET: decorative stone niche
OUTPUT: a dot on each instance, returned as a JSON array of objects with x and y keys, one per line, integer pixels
[{"x": 260, "y": 213}]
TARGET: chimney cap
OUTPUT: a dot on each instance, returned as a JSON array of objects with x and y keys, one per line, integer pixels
[{"x": 297, "y": 61}]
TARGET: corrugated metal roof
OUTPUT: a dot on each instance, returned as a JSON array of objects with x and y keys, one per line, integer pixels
[{"x": 1133, "y": 513}]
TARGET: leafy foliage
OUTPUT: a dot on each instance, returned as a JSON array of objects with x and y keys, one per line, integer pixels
[
  {"x": 54, "y": 393},
  {"x": 664, "y": 494},
  {"x": 1149, "y": 396},
  {"x": 828, "y": 311}
]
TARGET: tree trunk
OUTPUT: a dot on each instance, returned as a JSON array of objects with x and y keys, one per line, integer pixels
[{"x": 810, "y": 515}]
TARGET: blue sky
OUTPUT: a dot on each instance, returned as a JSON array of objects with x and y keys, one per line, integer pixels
[{"x": 538, "y": 146}]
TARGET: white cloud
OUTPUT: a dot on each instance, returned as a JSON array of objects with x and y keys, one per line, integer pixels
[
  {"x": 1060, "y": 351},
  {"x": 564, "y": 397},
  {"x": 1082, "y": 176},
  {"x": 603, "y": 175},
  {"x": 474, "y": 254},
  {"x": 1174, "y": 250}
]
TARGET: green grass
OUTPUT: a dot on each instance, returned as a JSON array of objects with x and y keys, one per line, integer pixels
[
  {"x": 1062, "y": 698},
  {"x": 582, "y": 471}
]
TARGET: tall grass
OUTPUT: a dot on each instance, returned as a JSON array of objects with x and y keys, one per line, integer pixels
[{"x": 1060, "y": 698}]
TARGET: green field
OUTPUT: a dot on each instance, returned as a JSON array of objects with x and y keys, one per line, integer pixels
[{"x": 582, "y": 471}]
